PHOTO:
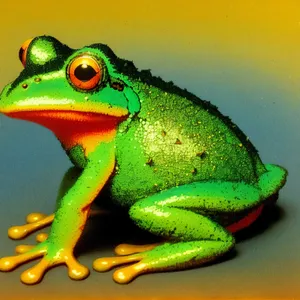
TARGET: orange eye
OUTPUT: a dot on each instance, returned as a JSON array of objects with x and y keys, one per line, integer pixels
[
  {"x": 85, "y": 72},
  {"x": 23, "y": 51}
]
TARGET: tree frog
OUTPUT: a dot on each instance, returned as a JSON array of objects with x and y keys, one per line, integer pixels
[{"x": 181, "y": 169}]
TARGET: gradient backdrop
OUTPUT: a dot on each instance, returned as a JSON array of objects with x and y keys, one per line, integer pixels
[{"x": 241, "y": 55}]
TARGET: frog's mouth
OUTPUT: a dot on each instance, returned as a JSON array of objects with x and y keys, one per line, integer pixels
[
  {"x": 68, "y": 125},
  {"x": 57, "y": 120},
  {"x": 50, "y": 118},
  {"x": 65, "y": 113}
]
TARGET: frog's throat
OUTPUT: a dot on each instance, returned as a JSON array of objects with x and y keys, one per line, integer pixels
[{"x": 74, "y": 128}]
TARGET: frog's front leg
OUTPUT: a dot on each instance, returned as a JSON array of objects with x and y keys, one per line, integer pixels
[
  {"x": 69, "y": 221},
  {"x": 176, "y": 214},
  {"x": 37, "y": 221}
]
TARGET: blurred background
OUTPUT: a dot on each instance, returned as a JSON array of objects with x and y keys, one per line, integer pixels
[{"x": 243, "y": 56}]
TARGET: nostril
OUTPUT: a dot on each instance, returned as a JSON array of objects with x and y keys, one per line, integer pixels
[
  {"x": 24, "y": 85},
  {"x": 37, "y": 79}
]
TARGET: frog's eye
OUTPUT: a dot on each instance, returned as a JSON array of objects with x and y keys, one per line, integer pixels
[
  {"x": 85, "y": 72},
  {"x": 23, "y": 51}
]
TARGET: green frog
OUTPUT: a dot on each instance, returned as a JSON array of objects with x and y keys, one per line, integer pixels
[{"x": 181, "y": 169}]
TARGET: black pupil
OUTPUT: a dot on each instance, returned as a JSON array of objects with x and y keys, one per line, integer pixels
[
  {"x": 21, "y": 51},
  {"x": 84, "y": 72}
]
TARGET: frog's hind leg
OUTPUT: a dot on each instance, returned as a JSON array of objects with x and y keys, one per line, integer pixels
[
  {"x": 205, "y": 241},
  {"x": 176, "y": 213}
]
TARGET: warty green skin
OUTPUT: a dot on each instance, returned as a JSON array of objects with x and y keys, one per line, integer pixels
[
  {"x": 174, "y": 141},
  {"x": 178, "y": 162}
]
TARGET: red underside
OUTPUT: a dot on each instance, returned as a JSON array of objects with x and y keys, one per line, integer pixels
[{"x": 246, "y": 221}]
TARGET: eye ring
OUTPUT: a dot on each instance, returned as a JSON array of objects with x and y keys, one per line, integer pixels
[
  {"x": 23, "y": 51},
  {"x": 85, "y": 72}
]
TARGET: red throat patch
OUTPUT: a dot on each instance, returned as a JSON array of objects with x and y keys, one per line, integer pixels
[{"x": 74, "y": 128}]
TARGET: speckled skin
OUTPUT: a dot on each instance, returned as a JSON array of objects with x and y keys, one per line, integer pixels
[
  {"x": 173, "y": 141},
  {"x": 171, "y": 158}
]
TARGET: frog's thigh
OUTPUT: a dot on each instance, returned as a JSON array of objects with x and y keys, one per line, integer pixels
[
  {"x": 212, "y": 196},
  {"x": 173, "y": 213},
  {"x": 185, "y": 226}
]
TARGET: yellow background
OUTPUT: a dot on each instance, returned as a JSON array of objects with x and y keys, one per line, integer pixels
[{"x": 261, "y": 33}]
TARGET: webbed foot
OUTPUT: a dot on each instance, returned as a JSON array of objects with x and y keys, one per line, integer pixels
[
  {"x": 128, "y": 253},
  {"x": 51, "y": 256},
  {"x": 41, "y": 237},
  {"x": 126, "y": 274},
  {"x": 126, "y": 249},
  {"x": 35, "y": 221}
]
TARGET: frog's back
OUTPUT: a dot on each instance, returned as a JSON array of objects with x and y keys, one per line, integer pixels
[{"x": 175, "y": 139}]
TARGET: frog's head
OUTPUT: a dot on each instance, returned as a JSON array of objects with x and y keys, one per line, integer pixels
[{"x": 60, "y": 83}]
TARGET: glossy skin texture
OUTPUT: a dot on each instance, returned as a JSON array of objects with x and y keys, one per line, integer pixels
[{"x": 184, "y": 171}]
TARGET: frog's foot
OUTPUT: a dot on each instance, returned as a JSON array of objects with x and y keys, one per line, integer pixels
[
  {"x": 105, "y": 264},
  {"x": 35, "y": 217},
  {"x": 35, "y": 221},
  {"x": 20, "y": 249},
  {"x": 123, "y": 275},
  {"x": 126, "y": 249},
  {"x": 41, "y": 237},
  {"x": 51, "y": 257},
  {"x": 168, "y": 256}
]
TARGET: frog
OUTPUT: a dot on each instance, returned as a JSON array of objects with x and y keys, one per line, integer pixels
[{"x": 182, "y": 170}]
